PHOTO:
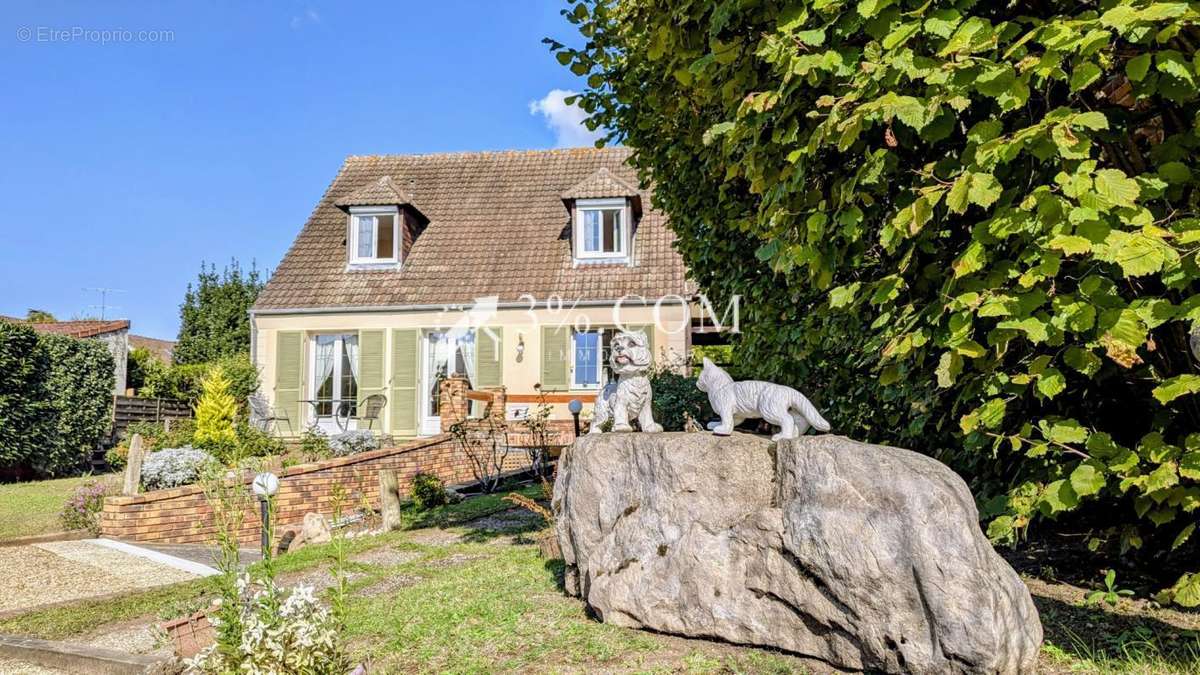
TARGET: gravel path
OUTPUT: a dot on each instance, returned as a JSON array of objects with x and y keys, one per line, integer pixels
[{"x": 72, "y": 570}]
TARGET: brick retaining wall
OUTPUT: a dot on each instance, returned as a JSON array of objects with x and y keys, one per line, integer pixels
[{"x": 182, "y": 516}]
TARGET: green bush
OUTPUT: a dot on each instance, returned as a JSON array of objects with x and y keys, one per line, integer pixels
[
  {"x": 253, "y": 442},
  {"x": 183, "y": 382},
  {"x": 966, "y": 228},
  {"x": 55, "y": 400},
  {"x": 155, "y": 435},
  {"x": 24, "y": 418},
  {"x": 427, "y": 491},
  {"x": 314, "y": 446},
  {"x": 676, "y": 398}
]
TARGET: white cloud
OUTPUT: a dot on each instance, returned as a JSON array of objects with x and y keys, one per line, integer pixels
[
  {"x": 310, "y": 16},
  {"x": 566, "y": 121}
]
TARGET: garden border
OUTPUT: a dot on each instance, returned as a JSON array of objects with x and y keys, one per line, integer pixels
[{"x": 181, "y": 515}]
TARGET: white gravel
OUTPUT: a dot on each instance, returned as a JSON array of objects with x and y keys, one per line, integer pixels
[{"x": 72, "y": 570}]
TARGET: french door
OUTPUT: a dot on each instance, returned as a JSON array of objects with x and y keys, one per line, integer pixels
[{"x": 334, "y": 377}]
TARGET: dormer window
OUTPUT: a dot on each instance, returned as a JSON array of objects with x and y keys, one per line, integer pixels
[
  {"x": 374, "y": 235},
  {"x": 601, "y": 229},
  {"x": 603, "y": 209}
]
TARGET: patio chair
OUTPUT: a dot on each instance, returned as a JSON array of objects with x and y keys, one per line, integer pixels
[
  {"x": 264, "y": 416},
  {"x": 370, "y": 410}
]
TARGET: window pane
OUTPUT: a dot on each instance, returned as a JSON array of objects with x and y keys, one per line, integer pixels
[
  {"x": 386, "y": 232},
  {"x": 591, "y": 231},
  {"x": 587, "y": 354},
  {"x": 610, "y": 225},
  {"x": 366, "y": 236},
  {"x": 349, "y": 392}
]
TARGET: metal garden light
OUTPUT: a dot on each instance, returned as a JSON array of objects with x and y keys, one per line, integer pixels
[
  {"x": 265, "y": 485},
  {"x": 575, "y": 407}
]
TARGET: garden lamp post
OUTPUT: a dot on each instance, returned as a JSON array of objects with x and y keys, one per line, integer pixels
[
  {"x": 265, "y": 485},
  {"x": 575, "y": 407}
]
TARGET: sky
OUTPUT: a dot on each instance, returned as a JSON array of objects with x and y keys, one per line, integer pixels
[{"x": 139, "y": 140}]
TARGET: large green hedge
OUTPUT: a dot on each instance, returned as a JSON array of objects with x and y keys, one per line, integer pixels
[
  {"x": 967, "y": 228},
  {"x": 55, "y": 400}
]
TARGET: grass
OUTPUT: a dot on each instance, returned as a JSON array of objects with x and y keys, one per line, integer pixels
[
  {"x": 483, "y": 604},
  {"x": 29, "y": 509}
]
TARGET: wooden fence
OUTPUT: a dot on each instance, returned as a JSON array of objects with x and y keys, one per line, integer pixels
[{"x": 127, "y": 410}]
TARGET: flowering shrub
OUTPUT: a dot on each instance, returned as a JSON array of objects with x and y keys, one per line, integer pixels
[
  {"x": 82, "y": 511},
  {"x": 282, "y": 631},
  {"x": 352, "y": 443},
  {"x": 173, "y": 467}
]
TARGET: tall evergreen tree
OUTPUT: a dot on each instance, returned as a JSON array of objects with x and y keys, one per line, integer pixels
[{"x": 214, "y": 317}]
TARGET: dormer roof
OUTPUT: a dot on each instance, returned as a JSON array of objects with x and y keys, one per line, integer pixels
[
  {"x": 386, "y": 191},
  {"x": 600, "y": 184}
]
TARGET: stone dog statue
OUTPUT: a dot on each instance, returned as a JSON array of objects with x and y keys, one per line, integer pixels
[
  {"x": 782, "y": 406},
  {"x": 629, "y": 397}
]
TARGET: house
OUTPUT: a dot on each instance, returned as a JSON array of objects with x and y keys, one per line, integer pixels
[
  {"x": 115, "y": 334},
  {"x": 163, "y": 350},
  {"x": 512, "y": 269}
]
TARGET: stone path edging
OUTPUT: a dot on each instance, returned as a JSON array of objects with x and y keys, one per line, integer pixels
[
  {"x": 75, "y": 658},
  {"x": 182, "y": 564}
]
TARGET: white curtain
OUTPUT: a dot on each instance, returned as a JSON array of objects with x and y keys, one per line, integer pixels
[
  {"x": 350, "y": 344},
  {"x": 323, "y": 358},
  {"x": 442, "y": 353},
  {"x": 466, "y": 345}
]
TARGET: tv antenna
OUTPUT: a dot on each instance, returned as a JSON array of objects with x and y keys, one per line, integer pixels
[{"x": 104, "y": 292}]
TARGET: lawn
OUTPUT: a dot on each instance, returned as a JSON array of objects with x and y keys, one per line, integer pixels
[
  {"x": 28, "y": 509},
  {"x": 470, "y": 594}
]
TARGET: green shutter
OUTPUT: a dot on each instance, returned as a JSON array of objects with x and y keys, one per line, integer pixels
[
  {"x": 555, "y": 357},
  {"x": 370, "y": 363},
  {"x": 649, "y": 331},
  {"x": 289, "y": 369},
  {"x": 405, "y": 355},
  {"x": 489, "y": 357}
]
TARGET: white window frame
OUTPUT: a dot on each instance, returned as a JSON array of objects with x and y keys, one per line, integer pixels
[
  {"x": 626, "y": 241},
  {"x": 575, "y": 383},
  {"x": 352, "y": 238}
]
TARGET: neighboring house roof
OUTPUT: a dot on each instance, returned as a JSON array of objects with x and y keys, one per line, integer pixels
[
  {"x": 497, "y": 226},
  {"x": 163, "y": 349},
  {"x": 81, "y": 329}
]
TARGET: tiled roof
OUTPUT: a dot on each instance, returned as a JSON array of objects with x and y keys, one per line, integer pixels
[
  {"x": 81, "y": 329},
  {"x": 383, "y": 192},
  {"x": 602, "y": 183},
  {"x": 497, "y": 226},
  {"x": 163, "y": 349}
]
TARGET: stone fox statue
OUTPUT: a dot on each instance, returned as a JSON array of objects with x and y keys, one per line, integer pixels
[
  {"x": 736, "y": 401},
  {"x": 629, "y": 397}
]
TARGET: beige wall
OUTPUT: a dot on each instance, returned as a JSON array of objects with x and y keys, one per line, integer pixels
[{"x": 671, "y": 336}]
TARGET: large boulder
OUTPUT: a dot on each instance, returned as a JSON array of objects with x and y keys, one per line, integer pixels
[{"x": 863, "y": 556}]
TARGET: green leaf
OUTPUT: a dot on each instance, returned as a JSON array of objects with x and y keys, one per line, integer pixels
[
  {"x": 842, "y": 296},
  {"x": 1067, "y": 432},
  {"x": 1094, "y": 120},
  {"x": 869, "y": 8},
  {"x": 1137, "y": 67},
  {"x": 1082, "y": 360},
  {"x": 1180, "y": 385},
  {"x": 717, "y": 130},
  {"x": 1175, "y": 172},
  {"x": 1051, "y": 383},
  {"x": 1186, "y": 591},
  {"x": 1183, "y": 536},
  {"x": 949, "y": 366},
  {"x": 1189, "y": 465},
  {"x": 1033, "y": 327},
  {"x": 1083, "y": 75},
  {"x": 1059, "y": 496},
  {"x": 1088, "y": 478},
  {"x": 1115, "y": 186},
  {"x": 1174, "y": 64},
  {"x": 973, "y": 188}
]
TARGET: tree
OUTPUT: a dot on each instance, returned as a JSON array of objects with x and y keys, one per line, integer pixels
[
  {"x": 968, "y": 228},
  {"x": 39, "y": 316},
  {"x": 214, "y": 317}
]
